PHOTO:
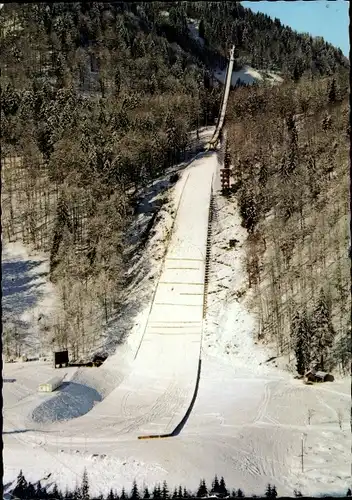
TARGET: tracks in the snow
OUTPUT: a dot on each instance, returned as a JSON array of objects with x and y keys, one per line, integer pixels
[
  {"x": 263, "y": 405},
  {"x": 183, "y": 421}
]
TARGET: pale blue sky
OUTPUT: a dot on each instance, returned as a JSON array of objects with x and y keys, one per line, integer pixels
[{"x": 326, "y": 18}]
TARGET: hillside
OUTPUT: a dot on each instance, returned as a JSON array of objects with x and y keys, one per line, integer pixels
[
  {"x": 118, "y": 240},
  {"x": 262, "y": 42},
  {"x": 97, "y": 102},
  {"x": 291, "y": 182}
]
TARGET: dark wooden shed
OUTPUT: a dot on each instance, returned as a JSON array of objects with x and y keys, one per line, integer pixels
[
  {"x": 60, "y": 358},
  {"x": 318, "y": 376}
]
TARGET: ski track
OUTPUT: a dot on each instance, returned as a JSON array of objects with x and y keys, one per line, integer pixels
[{"x": 263, "y": 405}]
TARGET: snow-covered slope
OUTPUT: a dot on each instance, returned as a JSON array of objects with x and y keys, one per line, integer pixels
[
  {"x": 248, "y": 75},
  {"x": 157, "y": 393},
  {"x": 246, "y": 424},
  {"x": 193, "y": 26},
  {"x": 29, "y": 300}
]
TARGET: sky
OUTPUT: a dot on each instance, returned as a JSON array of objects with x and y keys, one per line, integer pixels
[{"x": 326, "y": 18}]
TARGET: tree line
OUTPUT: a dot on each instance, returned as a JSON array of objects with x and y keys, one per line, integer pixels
[
  {"x": 289, "y": 154},
  {"x": 262, "y": 42},
  {"x": 26, "y": 490}
]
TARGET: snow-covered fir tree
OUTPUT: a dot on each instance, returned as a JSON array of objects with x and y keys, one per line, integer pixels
[
  {"x": 202, "y": 490},
  {"x": 85, "y": 486},
  {"x": 323, "y": 332},
  {"x": 134, "y": 492}
]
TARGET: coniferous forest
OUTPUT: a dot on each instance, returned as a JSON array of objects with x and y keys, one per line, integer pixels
[
  {"x": 289, "y": 149},
  {"x": 28, "y": 491}
]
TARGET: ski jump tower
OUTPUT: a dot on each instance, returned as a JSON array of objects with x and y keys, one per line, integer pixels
[{"x": 215, "y": 139}]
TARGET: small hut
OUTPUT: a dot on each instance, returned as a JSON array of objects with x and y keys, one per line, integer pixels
[
  {"x": 60, "y": 358},
  {"x": 324, "y": 377}
]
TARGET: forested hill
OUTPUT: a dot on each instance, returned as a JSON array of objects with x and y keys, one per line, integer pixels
[
  {"x": 99, "y": 98},
  {"x": 161, "y": 52},
  {"x": 265, "y": 43},
  {"x": 119, "y": 34}
]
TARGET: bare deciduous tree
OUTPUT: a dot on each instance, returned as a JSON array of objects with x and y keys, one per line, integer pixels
[
  {"x": 340, "y": 415},
  {"x": 310, "y": 414}
]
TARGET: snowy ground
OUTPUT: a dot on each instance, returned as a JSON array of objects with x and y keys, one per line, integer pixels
[
  {"x": 155, "y": 396},
  {"x": 248, "y": 75},
  {"x": 246, "y": 424},
  {"x": 28, "y": 298},
  {"x": 193, "y": 26}
]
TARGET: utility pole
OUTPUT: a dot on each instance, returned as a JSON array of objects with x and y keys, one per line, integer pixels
[
  {"x": 302, "y": 449},
  {"x": 40, "y": 338}
]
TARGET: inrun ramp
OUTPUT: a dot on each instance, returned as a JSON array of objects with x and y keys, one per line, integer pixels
[{"x": 215, "y": 139}]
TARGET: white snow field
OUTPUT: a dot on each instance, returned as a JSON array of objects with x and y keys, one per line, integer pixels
[
  {"x": 248, "y": 417},
  {"x": 248, "y": 75},
  {"x": 193, "y": 27},
  {"x": 27, "y": 294}
]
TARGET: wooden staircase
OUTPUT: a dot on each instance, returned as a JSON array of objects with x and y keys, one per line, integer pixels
[{"x": 207, "y": 255}]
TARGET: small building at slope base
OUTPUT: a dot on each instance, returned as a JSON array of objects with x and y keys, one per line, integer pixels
[{"x": 318, "y": 376}]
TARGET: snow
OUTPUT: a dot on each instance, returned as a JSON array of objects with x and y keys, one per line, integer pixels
[
  {"x": 275, "y": 77},
  {"x": 28, "y": 297},
  {"x": 248, "y": 417},
  {"x": 193, "y": 26},
  {"x": 71, "y": 402},
  {"x": 229, "y": 326},
  {"x": 248, "y": 75}
]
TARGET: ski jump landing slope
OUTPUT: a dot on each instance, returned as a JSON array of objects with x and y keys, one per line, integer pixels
[{"x": 156, "y": 395}]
